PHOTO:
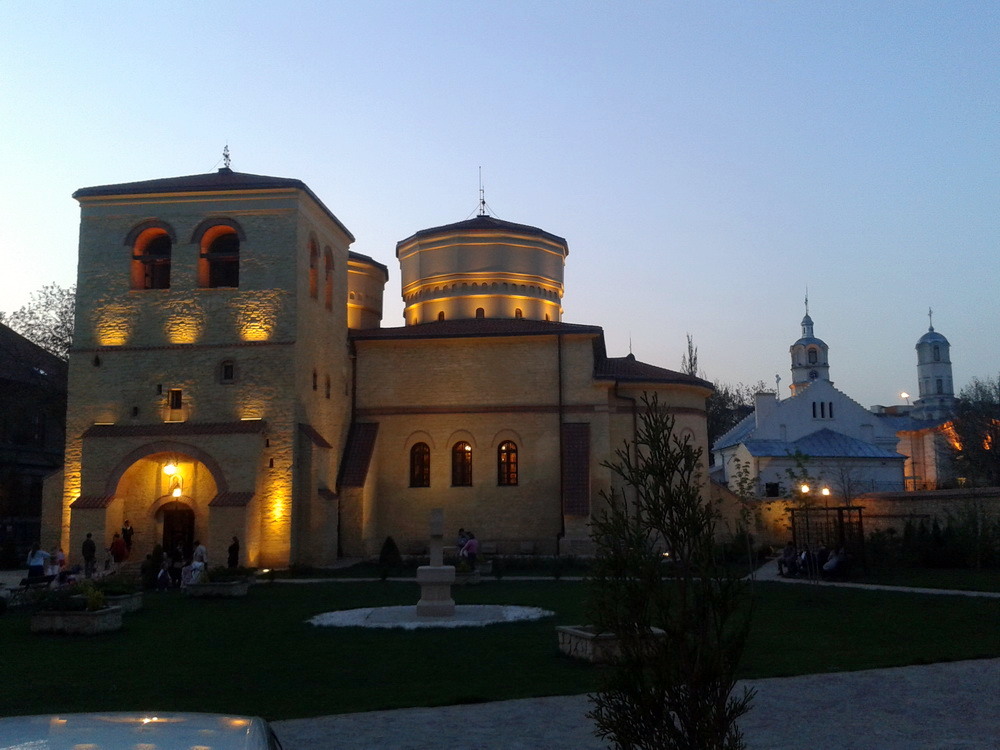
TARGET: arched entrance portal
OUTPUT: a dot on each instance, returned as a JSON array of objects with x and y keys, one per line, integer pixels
[
  {"x": 177, "y": 520},
  {"x": 165, "y": 493}
]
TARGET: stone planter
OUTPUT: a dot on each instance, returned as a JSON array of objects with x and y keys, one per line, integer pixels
[
  {"x": 79, "y": 622},
  {"x": 587, "y": 643},
  {"x": 128, "y": 602},
  {"x": 218, "y": 589}
]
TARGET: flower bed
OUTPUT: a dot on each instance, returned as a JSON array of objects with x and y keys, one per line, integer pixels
[{"x": 77, "y": 622}]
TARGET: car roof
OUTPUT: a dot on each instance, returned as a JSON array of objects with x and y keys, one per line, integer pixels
[{"x": 151, "y": 730}]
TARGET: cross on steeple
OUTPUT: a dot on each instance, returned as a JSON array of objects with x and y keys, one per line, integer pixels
[
  {"x": 225, "y": 156},
  {"x": 930, "y": 318}
]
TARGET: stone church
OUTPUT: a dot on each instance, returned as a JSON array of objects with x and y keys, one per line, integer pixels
[{"x": 230, "y": 377}]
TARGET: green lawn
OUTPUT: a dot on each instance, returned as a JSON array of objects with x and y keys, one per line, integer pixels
[{"x": 259, "y": 656}]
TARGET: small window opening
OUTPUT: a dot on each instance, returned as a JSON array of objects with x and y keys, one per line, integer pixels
[
  {"x": 176, "y": 398},
  {"x": 315, "y": 381},
  {"x": 441, "y": 315},
  {"x": 227, "y": 372},
  {"x": 517, "y": 313},
  {"x": 480, "y": 313}
]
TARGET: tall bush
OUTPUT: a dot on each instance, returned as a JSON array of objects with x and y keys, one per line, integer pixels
[{"x": 673, "y": 692}]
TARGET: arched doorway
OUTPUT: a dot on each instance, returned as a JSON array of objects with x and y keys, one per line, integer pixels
[{"x": 177, "y": 520}]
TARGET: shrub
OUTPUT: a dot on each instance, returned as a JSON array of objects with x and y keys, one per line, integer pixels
[{"x": 389, "y": 559}]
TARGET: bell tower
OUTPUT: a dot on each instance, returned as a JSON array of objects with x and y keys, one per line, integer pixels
[
  {"x": 810, "y": 357},
  {"x": 934, "y": 380}
]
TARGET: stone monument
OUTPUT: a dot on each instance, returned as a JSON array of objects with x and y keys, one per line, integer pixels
[{"x": 436, "y": 579}]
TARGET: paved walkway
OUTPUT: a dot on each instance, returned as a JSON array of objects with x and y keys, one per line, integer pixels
[{"x": 952, "y": 705}]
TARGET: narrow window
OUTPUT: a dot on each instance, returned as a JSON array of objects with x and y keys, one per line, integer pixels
[
  {"x": 227, "y": 372},
  {"x": 219, "y": 264},
  {"x": 940, "y": 386},
  {"x": 480, "y": 313},
  {"x": 315, "y": 381},
  {"x": 937, "y": 353},
  {"x": 517, "y": 313},
  {"x": 441, "y": 315},
  {"x": 328, "y": 279},
  {"x": 313, "y": 269},
  {"x": 420, "y": 465},
  {"x": 461, "y": 465},
  {"x": 507, "y": 464},
  {"x": 328, "y": 386},
  {"x": 830, "y": 413},
  {"x": 814, "y": 410},
  {"x": 176, "y": 398},
  {"x": 812, "y": 356},
  {"x": 151, "y": 260},
  {"x": 822, "y": 409}
]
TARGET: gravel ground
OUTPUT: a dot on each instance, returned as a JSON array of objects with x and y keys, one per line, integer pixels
[{"x": 950, "y": 705}]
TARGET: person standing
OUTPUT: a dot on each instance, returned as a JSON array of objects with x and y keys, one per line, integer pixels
[
  {"x": 471, "y": 550},
  {"x": 118, "y": 551},
  {"x": 89, "y": 551},
  {"x": 233, "y": 561},
  {"x": 127, "y": 533},
  {"x": 199, "y": 561}
]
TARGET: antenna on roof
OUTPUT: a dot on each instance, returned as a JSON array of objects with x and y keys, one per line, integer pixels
[
  {"x": 225, "y": 157},
  {"x": 482, "y": 194},
  {"x": 930, "y": 318}
]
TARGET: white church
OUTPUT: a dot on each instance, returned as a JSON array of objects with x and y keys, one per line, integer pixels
[{"x": 845, "y": 448}]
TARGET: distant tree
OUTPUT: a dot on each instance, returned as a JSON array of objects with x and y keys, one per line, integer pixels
[
  {"x": 975, "y": 432},
  {"x": 728, "y": 405},
  {"x": 675, "y": 691},
  {"x": 47, "y": 319},
  {"x": 689, "y": 362}
]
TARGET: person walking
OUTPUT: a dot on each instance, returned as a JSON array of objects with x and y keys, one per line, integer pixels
[
  {"x": 89, "y": 552},
  {"x": 233, "y": 560}
]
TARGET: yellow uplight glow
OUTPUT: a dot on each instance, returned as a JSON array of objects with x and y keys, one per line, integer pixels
[{"x": 170, "y": 469}]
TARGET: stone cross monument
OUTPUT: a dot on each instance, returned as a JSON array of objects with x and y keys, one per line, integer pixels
[{"x": 436, "y": 579}]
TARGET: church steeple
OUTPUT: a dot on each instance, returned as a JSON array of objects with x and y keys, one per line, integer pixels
[
  {"x": 937, "y": 392},
  {"x": 809, "y": 356}
]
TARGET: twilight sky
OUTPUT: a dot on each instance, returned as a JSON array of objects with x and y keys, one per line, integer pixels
[{"x": 707, "y": 162}]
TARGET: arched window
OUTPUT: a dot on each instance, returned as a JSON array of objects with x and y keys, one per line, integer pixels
[
  {"x": 507, "y": 464},
  {"x": 461, "y": 465},
  {"x": 328, "y": 279},
  {"x": 420, "y": 465},
  {"x": 517, "y": 313},
  {"x": 219, "y": 263},
  {"x": 480, "y": 313},
  {"x": 151, "y": 260},
  {"x": 813, "y": 356},
  {"x": 313, "y": 269},
  {"x": 441, "y": 315},
  {"x": 937, "y": 353}
]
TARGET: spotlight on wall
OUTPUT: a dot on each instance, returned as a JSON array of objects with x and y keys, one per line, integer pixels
[{"x": 170, "y": 469}]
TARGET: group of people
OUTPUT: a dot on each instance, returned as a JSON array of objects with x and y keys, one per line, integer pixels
[
  {"x": 40, "y": 562},
  {"x": 467, "y": 546},
  {"x": 821, "y": 561}
]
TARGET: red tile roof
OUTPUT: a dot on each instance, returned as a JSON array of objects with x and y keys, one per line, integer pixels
[
  {"x": 475, "y": 327},
  {"x": 231, "y": 500},
  {"x": 358, "y": 454},
  {"x": 86, "y": 502}
]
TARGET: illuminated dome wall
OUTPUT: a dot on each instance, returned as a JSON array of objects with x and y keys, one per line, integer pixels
[{"x": 482, "y": 268}]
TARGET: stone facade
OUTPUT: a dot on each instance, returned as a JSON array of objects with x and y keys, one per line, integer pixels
[{"x": 230, "y": 377}]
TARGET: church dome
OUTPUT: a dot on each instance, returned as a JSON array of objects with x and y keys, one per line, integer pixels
[
  {"x": 483, "y": 267},
  {"x": 932, "y": 337}
]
